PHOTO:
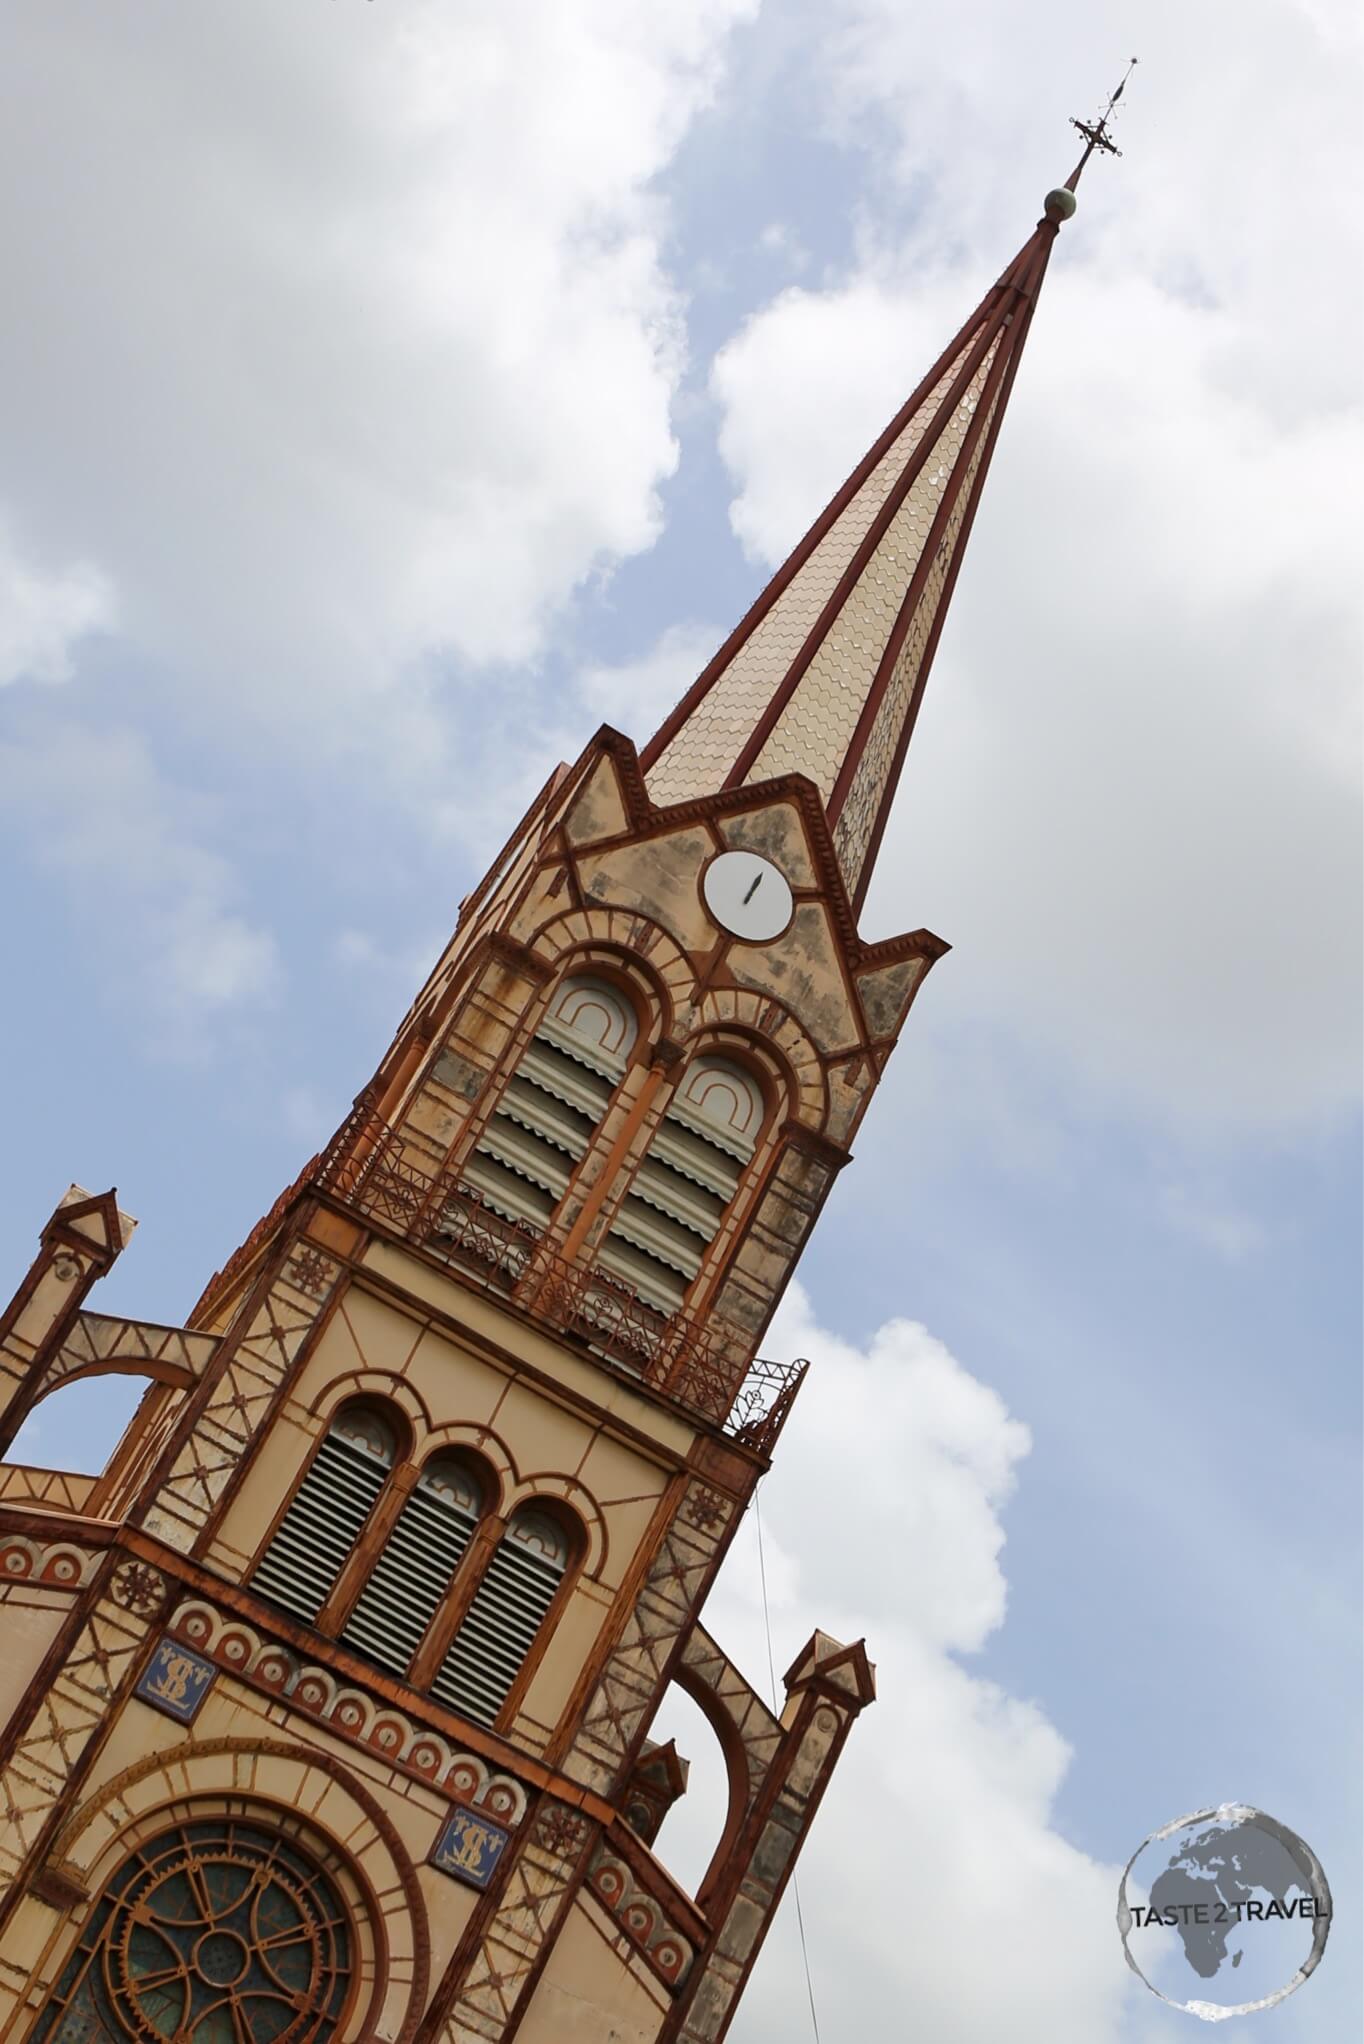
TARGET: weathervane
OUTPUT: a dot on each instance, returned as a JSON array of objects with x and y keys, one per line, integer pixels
[{"x": 1096, "y": 132}]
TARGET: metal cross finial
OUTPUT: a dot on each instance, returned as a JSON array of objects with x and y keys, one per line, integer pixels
[{"x": 1096, "y": 132}]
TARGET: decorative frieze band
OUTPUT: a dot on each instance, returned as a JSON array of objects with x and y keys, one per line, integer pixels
[
  {"x": 348, "y": 1711},
  {"x": 641, "y": 1918},
  {"x": 56, "y": 1564}
]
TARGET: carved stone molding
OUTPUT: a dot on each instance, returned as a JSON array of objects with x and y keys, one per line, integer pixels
[
  {"x": 137, "y": 1587},
  {"x": 641, "y": 1917},
  {"x": 349, "y": 1712},
  {"x": 56, "y": 1564}
]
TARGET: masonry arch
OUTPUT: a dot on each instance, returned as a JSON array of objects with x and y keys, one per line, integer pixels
[{"x": 267, "y": 1784}]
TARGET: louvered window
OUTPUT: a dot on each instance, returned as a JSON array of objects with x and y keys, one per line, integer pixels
[
  {"x": 413, "y": 1572},
  {"x": 314, "y": 1539},
  {"x": 687, "y": 1178},
  {"x": 508, "y": 1609},
  {"x": 554, "y": 1101}
]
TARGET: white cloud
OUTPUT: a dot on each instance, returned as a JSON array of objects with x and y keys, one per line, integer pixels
[
  {"x": 383, "y": 367},
  {"x": 1132, "y": 802},
  {"x": 637, "y": 695},
  {"x": 159, "y": 906},
  {"x": 935, "y": 1844},
  {"x": 44, "y": 614}
]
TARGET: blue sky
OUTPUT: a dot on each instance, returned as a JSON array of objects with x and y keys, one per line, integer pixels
[{"x": 389, "y": 394}]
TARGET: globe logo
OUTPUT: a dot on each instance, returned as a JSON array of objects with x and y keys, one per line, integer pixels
[{"x": 1224, "y": 1912}]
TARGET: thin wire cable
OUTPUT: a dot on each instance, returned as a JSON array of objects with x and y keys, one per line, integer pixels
[{"x": 772, "y": 1682}]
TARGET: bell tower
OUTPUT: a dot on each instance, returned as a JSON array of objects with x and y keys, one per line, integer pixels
[{"x": 325, "y": 1708}]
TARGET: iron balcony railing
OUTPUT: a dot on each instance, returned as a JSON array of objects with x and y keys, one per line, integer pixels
[{"x": 366, "y": 1167}]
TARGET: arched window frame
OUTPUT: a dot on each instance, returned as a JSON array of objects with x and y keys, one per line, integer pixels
[
  {"x": 771, "y": 1084},
  {"x": 492, "y": 1534},
  {"x": 452, "y": 1608},
  {"x": 382, "y": 1530},
  {"x": 641, "y": 1004},
  {"x": 646, "y": 1005},
  {"x": 395, "y": 1420}
]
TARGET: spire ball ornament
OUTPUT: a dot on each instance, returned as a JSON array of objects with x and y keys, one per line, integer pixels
[{"x": 1060, "y": 204}]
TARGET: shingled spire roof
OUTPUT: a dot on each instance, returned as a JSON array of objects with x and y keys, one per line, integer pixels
[{"x": 825, "y": 674}]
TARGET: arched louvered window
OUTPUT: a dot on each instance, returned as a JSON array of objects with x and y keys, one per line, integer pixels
[
  {"x": 685, "y": 1181},
  {"x": 507, "y": 1611},
  {"x": 552, "y": 1104},
  {"x": 326, "y": 1514},
  {"x": 404, "y": 1589}
]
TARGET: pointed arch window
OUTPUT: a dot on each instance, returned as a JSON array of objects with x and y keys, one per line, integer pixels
[
  {"x": 328, "y": 1512},
  {"x": 685, "y": 1181},
  {"x": 504, "y": 1617},
  {"x": 416, "y": 1565},
  {"x": 554, "y": 1101}
]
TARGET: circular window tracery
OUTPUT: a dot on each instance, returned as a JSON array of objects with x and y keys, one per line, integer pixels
[{"x": 213, "y": 1932}]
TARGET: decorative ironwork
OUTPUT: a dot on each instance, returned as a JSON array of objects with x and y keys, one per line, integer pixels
[
  {"x": 367, "y": 1166},
  {"x": 466, "y": 1229},
  {"x": 1096, "y": 132},
  {"x": 219, "y": 1931},
  {"x": 763, "y": 1400}
]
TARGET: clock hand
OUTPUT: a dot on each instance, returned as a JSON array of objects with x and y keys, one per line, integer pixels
[{"x": 752, "y": 890}]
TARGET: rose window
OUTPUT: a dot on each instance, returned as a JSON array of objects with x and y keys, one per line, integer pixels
[{"x": 215, "y": 1932}]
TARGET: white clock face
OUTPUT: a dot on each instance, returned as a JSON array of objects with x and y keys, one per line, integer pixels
[{"x": 747, "y": 896}]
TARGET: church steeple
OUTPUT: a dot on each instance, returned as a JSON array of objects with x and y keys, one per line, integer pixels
[
  {"x": 376, "y": 1603},
  {"x": 825, "y": 674}
]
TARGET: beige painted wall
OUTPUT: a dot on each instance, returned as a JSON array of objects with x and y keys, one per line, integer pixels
[
  {"x": 30, "y": 1619},
  {"x": 590, "y": 1993}
]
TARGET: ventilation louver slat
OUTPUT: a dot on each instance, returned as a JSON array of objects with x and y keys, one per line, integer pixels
[
  {"x": 412, "y": 1574},
  {"x": 506, "y": 1613},
  {"x": 657, "y": 1284},
  {"x": 670, "y": 1216},
  {"x": 545, "y": 1118},
  {"x": 314, "y": 1539}
]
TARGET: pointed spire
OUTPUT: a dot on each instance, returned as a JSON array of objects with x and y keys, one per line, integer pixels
[{"x": 825, "y": 674}]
